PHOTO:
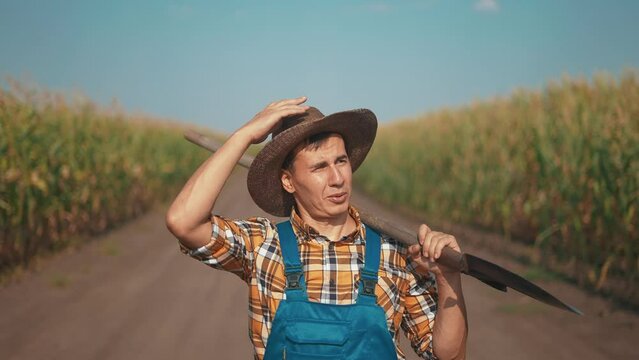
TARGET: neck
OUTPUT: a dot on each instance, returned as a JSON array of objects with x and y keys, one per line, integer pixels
[{"x": 334, "y": 228}]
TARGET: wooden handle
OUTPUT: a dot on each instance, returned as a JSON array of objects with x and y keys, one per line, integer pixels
[{"x": 449, "y": 257}]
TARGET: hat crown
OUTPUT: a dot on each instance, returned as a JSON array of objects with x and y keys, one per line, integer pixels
[{"x": 312, "y": 114}]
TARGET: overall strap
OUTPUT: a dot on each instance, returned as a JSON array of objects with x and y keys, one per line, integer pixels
[
  {"x": 295, "y": 283},
  {"x": 368, "y": 274}
]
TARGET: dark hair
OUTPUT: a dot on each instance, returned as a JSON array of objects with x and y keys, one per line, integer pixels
[{"x": 312, "y": 143}]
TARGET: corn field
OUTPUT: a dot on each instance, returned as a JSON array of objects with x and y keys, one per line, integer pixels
[
  {"x": 68, "y": 171},
  {"x": 557, "y": 168}
]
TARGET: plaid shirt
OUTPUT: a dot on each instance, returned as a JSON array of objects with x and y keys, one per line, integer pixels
[{"x": 250, "y": 249}]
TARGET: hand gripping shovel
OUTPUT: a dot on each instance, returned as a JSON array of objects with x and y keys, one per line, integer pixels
[{"x": 485, "y": 271}]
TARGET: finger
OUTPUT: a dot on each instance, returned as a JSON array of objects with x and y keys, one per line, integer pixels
[
  {"x": 276, "y": 103},
  {"x": 427, "y": 241},
  {"x": 284, "y": 102},
  {"x": 289, "y": 110},
  {"x": 446, "y": 240},
  {"x": 414, "y": 251},
  {"x": 423, "y": 230},
  {"x": 291, "y": 106},
  {"x": 437, "y": 239}
]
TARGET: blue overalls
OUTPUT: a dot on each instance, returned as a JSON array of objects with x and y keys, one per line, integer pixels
[{"x": 310, "y": 330}]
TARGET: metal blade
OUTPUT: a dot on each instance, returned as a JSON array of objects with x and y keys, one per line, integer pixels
[
  {"x": 483, "y": 270},
  {"x": 491, "y": 273}
]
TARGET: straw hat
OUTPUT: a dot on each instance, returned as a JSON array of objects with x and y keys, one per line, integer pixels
[{"x": 358, "y": 128}]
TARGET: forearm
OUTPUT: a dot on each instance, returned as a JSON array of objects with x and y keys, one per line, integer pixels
[
  {"x": 451, "y": 325},
  {"x": 192, "y": 206},
  {"x": 187, "y": 217}
]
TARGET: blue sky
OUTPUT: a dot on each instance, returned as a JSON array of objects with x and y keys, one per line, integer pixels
[{"x": 218, "y": 63}]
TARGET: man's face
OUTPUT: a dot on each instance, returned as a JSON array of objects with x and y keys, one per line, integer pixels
[{"x": 320, "y": 180}]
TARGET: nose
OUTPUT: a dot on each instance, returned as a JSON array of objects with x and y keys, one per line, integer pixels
[{"x": 336, "y": 178}]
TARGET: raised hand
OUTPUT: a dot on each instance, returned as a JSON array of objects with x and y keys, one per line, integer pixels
[{"x": 267, "y": 120}]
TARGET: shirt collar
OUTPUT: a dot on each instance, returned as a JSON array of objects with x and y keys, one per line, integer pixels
[{"x": 305, "y": 232}]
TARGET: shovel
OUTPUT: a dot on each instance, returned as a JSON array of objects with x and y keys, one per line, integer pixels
[{"x": 483, "y": 270}]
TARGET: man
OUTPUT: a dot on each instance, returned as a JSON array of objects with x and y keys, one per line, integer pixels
[{"x": 324, "y": 283}]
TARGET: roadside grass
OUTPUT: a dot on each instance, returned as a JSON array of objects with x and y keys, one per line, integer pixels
[
  {"x": 110, "y": 248},
  {"x": 531, "y": 308},
  {"x": 539, "y": 273},
  {"x": 60, "y": 281}
]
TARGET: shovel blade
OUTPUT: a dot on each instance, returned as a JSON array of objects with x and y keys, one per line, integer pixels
[{"x": 501, "y": 279}]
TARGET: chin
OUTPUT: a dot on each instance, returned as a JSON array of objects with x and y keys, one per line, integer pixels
[{"x": 338, "y": 209}]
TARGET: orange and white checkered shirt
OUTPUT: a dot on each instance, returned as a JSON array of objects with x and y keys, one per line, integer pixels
[{"x": 250, "y": 249}]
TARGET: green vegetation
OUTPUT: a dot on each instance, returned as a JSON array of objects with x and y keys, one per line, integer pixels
[
  {"x": 522, "y": 309},
  {"x": 68, "y": 171},
  {"x": 60, "y": 281},
  {"x": 538, "y": 273},
  {"x": 111, "y": 248},
  {"x": 558, "y": 169}
]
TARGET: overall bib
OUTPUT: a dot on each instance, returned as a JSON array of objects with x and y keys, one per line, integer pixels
[{"x": 309, "y": 330}]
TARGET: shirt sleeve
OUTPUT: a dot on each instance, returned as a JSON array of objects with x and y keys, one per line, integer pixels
[
  {"x": 418, "y": 319},
  {"x": 231, "y": 245}
]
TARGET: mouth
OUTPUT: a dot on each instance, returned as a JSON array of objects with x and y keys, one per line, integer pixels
[{"x": 338, "y": 198}]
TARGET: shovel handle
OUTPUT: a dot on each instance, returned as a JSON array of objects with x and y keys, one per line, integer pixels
[{"x": 449, "y": 257}]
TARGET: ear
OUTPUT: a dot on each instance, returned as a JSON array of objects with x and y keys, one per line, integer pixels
[{"x": 287, "y": 181}]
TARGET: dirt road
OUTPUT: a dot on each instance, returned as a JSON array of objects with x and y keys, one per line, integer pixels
[{"x": 132, "y": 295}]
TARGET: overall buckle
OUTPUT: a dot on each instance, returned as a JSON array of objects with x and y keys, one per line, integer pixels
[
  {"x": 368, "y": 286},
  {"x": 293, "y": 280}
]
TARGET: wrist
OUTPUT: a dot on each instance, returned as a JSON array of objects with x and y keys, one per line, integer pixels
[
  {"x": 242, "y": 136},
  {"x": 448, "y": 276}
]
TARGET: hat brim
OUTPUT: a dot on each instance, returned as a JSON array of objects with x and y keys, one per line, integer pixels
[{"x": 358, "y": 128}]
